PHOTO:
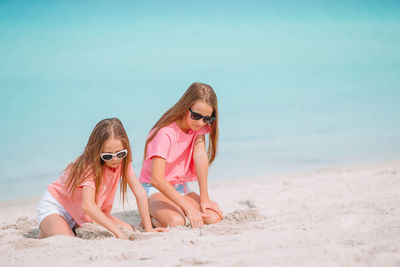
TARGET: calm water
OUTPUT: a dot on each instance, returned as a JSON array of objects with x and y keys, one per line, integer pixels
[{"x": 301, "y": 85}]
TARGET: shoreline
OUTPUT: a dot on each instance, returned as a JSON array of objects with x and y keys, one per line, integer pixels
[
  {"x": 19, "y": 202},
  {"x": 269, "y": 177}
]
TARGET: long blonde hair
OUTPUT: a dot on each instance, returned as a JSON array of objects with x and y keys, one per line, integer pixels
[
  {"x": 195, "y": 92},
  {"x": 90, "y": 162}
]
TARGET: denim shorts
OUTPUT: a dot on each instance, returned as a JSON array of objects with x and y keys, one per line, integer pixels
[
  {"x": 182, "y": 189},
  {"x": 49, "y": 205}
]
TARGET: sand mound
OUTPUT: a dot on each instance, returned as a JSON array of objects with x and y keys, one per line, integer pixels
[
  {"x": 96, "y": 231},
  {"x": 244, "y": 216},
  {"x": 92, "y": 231}
]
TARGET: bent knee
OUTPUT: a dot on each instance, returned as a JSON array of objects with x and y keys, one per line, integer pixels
[
  {"x": 214, "y": 218},
  {"x": 174, "y": 221}
]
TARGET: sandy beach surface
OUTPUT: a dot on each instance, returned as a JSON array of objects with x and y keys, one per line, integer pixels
[{"x": 330, "y": 217}]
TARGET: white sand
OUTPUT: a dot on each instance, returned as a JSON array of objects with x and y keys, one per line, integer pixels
[{"x": 330, "y": 217}]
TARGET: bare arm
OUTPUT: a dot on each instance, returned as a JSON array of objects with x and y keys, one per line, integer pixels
[
  {"x": 91, "y": 209},
  {"x": 200, "y": 159},
  {"x": 158, "y": 181},
  {"x": 142, "y": 203}
]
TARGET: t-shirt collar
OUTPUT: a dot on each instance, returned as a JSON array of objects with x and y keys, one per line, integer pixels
[{"x": 190, "y": 132}]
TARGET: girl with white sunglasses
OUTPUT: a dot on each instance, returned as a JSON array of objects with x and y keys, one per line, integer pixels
[{"x": 85, "y": 191}]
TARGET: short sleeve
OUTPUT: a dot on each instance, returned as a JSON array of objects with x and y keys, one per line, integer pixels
[
  {"x": 90, "y": 179},
  {"x": 89, "y": 182},
  {"x": 159, "y": 146},
  {"x": 204, "y": 130}
]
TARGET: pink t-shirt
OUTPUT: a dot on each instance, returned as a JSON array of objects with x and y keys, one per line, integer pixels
[
  {"x": 176, "y": 147},
  {"x": 105, "y": 196}
]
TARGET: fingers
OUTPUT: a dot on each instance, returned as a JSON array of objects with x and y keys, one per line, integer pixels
[
  {"x": 160, "y": 229},
  {"x": 220, "y": 214},
  {"x": 197, "y": 219},
  {"x": 123, "y": 237},
  {"x": 212, "y": 206},
  {"x": 196, "y": 222},
  {"x": 199, "y": 224},
  {"x": 217, "y": 210}
]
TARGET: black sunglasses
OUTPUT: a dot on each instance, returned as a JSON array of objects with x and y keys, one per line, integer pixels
[{"x": 196, "y": 116}]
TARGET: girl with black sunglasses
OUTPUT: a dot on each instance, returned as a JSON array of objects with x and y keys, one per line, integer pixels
[
  {"x": 85, "y": 191},
  {"x": 175, "y": 154}
]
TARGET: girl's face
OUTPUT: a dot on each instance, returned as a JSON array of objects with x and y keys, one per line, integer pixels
[
  {"x": 113, "y": 145},
  {"x": 201, "y": 108}
]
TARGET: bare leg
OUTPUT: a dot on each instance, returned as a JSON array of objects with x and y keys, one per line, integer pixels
[
  {"x": 194, "y": 198},
  {"x": 54, "y": 224},
  {"x": 165, "y": 212},
  {"x": 155, "y": 222}
]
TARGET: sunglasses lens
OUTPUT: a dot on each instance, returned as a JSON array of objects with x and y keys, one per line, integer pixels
[
  {"x": 195, "y": 116},
  {"x": 121, "y": 154},
  {"x": 209, "y": 119},
  {"x": 106, "y": 157}
]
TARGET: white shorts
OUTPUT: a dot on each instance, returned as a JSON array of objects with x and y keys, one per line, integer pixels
[{"x": 49, "y": 205}]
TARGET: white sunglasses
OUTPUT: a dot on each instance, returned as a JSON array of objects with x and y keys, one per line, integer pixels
[{"x": 109, "y": 156}]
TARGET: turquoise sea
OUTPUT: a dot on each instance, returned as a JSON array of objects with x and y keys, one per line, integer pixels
[{"x": 301, "y": 84}]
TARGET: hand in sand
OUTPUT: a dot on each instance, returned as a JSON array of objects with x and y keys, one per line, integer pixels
[
  {"x": 158, "y": 229},
  {"x": 121, "y": 235},
  {"x": 196, "y": 217},
  {"x": 208, "y": 204}
]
